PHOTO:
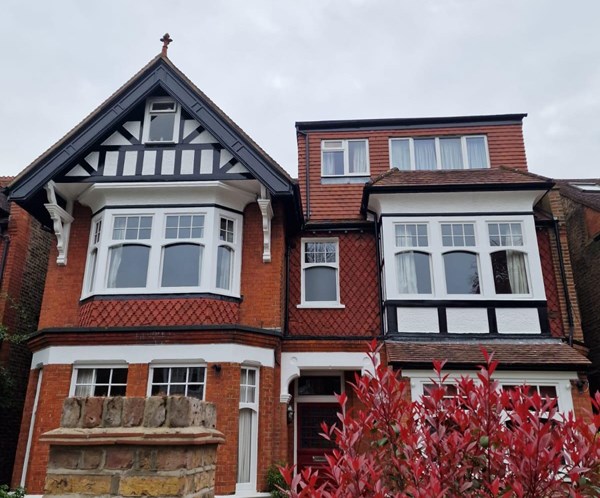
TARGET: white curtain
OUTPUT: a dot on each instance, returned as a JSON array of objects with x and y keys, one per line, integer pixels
[
  {"x": 115, "y": 263},
  {"x": 451, "y": 152},
  {"x": 245, "y": 446},
  {"x": 406, "y": 272},
  {"x": 85, "y": 380},
  {"x": 476, "y": 152},
  {"x": 224, "y": 259},
  {"x": 425, "y": 154},
  {"x": 329, "y": 163},
  {"x": 401, "y": 154},
  {"x": 517, "y": 273},
  {"x": 358, "y": 157}
]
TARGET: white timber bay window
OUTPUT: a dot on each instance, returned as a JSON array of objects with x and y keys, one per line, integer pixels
[
  {"x": 164, "y": 250},
  {"x": 161, "y": 121},
  {"x": 451, "y": 258},
  {"x": 463, "y": 152},
  {"x": 320, "y": 274},
  {"x": 89, "y": 380},
  {"x": 248, "y": 430},
  {"x": 344, "y": 158},
  {"x": 184, "y": 380}
]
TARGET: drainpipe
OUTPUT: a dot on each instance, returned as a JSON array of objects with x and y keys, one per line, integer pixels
[
  {"x": 38, "y": 367},
  {"x": 379, "y": 279},
  {"x": 286, "y": 307},
  {"x": 6, "y": 239},
  {"x": 563, "y": 277}
]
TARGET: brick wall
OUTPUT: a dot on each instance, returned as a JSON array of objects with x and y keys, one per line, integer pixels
[
  {"x": 506, "y": 148},
  {"x": 359, "y": 291},
  {"x": 551, "y": 276}
]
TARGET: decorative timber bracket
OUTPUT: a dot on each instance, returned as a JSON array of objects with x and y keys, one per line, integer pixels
[
  {"x": 264, "y": 202},
  {"x": 61, "y": 219}
]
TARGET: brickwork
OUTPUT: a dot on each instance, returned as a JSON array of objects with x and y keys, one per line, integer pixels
[
  {"x": 585, "y": 256},
  {"x": 551, "y": 276},
  {"x": 23, "y": 275},
  {"x": 358, "y": 291},
  {"x": 506, "y": 148},
  {"x": 169, "y": 449}
]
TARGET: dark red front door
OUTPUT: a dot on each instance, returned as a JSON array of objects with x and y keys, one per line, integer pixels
[{"x": 311, "y": 445}]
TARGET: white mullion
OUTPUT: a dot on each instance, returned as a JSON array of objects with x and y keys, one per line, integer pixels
[
  {"x": 438, "y": 155},
  {"x": 463, "y": 145},
  {"x": 411, "y": 149},
  {"x": 346, "y": 148}
]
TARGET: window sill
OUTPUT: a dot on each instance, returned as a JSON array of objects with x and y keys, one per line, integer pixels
[{"x": 321, "y": 306}]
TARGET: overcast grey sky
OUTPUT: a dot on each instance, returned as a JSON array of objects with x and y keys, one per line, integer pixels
[{"x": 270, "y": 63}]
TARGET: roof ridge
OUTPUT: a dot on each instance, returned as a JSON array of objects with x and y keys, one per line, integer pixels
[
  {"x": 381, "y": 176},
  {"x": 525, "y": 173}
]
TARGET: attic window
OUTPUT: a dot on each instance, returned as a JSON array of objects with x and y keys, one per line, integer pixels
[
  {"x": 161, "y": 121},
  {"x": 587, "y": 187}
]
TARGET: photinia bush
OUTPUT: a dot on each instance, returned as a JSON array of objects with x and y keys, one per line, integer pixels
[{"x": 476, "y": 441}]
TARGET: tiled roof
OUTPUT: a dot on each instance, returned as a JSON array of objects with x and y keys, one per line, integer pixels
[
  {"x": 472, "y": 177},
  {"x": 521, "y": 354},
  {"x": 590, "y": 199}
]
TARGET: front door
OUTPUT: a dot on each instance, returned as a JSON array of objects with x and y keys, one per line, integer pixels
[{"x": 311, "y": 445}]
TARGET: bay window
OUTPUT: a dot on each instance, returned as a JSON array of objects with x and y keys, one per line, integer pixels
[
  {"x": 184, "y": 380},
  {"x": 320, "y": 273},
  {"x": 463, "y": 152},
  {"x": 102, "y": 381},
  {"x": 164, "y": 250}
]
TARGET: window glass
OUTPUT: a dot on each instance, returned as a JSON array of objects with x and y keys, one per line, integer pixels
[
  {"x": 333, "y": 163},
  {"x": 357, "y": 155},
  {"x": 505, "y": 234},
  {"x": 162, "y": 127},
  {"x": 320, "y": 283},
  {"x": 462, "y": 274},
  {"x": 510, "y": 272},
  {"x": 451, "y": 153},
  {"x": 128, "y": 266},
  {"x": 100, "y": 382},
  {"x": 163, "y": 106},
  {"x": 248, "y": 385},
  {"x": 458, "y": 234},
  {"x": 320, "y": 252},
  {"x": 187, "y": 381},
  {"x": 132, "y": 227},
  {"x": 224, "y": 262},
  {"x": 413, "y": 270},
  {"x": 97, "y": 231},
  {"x": 92, "y": 269},
  {"x": 184, "y": 226},
  {"x": 319, "y": 385},
  {"x": 476, "y": 152},
  {"x": 411, "y": 235},
  {"x": 245, "y": 445},
  {"x": 401, "y": 154},
  {"x": 226, "y": 230},
  {"x": 425, "y": 157},
  {"x": 344, "y": 157},
  {"x": 181, "y": 265}
]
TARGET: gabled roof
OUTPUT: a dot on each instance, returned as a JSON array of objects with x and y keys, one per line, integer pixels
[
  {"x": 589, "y": 199},
  {"x": 460, "y": 180},
  {"x": 159, "y": 72}
]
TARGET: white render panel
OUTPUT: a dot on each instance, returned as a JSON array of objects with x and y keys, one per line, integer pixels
[
  {"x": 204, "y": 138},
  {"x": 206, "y": 161},
  {"x": 92, "y": 159},
  {"x": 187, "y": 162},
  {"x": 238, "y": 168},
  {"x": 147, "y": 353},
  {"x": 225, "y": 157},
  {"x": 149, "y": 164},
  {"x": 189, "y": 125},
  {"x": 110, "y": 163},
  {"x": 133, "y": 127},
  {"x": 518, "y": 321},
  {"x": 78, "y": 171},
  {"x": 129, "y": 164},
  {"x": 417, "y": 320},
  {"x": 116, "y": 139},
  {"x": 467, "y": 320},
  {"x": 168, "y": 162}
]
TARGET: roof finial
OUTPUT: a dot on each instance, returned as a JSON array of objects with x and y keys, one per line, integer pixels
[{"x": 166, "y": 39}]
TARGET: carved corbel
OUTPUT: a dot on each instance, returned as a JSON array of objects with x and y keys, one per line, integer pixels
[
  {"x": 264, "y": 203},
  {"x": 61, "y": 220}
]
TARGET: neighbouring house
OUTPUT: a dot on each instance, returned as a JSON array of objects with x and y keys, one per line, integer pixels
[
  {"x": 24, "y": 248},
  {"x": 187, "y": 261},
  {"x": 581, "y": 203}
]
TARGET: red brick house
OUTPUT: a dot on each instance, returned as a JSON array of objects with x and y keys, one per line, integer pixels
[
  {"x": 24, "y": 248},
  {"x": 188, "y": 262}
]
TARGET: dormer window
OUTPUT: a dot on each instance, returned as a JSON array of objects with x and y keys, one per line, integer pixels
[
  {"x": 161, "y": 121},
  {"x": 344, "y": 158}
]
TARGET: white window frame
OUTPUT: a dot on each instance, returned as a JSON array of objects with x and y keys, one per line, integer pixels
[
  {"x": 400, "y": 249},
  {"x": 149, "y": 112},
  {"x": 438, "y": 156},
  {"x": 159, "y": 364},
  {"x": 94, "y": 366},
  {"x": 560, "y": 380},
  {"x": 345, "y": 149},
  {"x": 336, "y": 266},
  {"x": 250, "y": 487},
  {"x": 210, "y": 241},
  {"x": 482, "y": 249}
]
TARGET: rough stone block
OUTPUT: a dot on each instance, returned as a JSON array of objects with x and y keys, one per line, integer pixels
[
  {"x": 180, "y": 410},
  {"x": 155, "y": 411},
  {"x": 92, "y": 412},
  {"x": 133, "y": 411},
  {"x": 77, "y": 484},
  {"x": 171, "y": 458},
  {"x": 152, "y": 485},
  {"x": 91, "y": 459},
  {"x": 119, "y": 457},
  {"x": 64, "y": 458},
  {"x": 112, "y": 414},
  {"x": 71, "y": 413},
  {"x": 204, "y": 415}
]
